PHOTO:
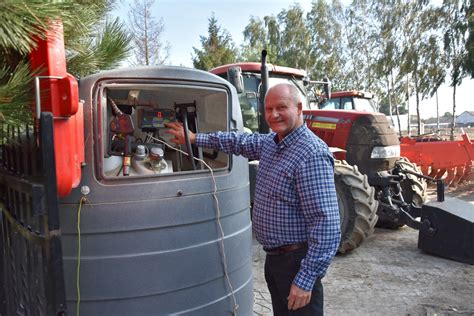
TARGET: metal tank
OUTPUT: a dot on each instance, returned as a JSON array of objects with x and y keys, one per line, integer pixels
[{"x": 150, "y": 237}]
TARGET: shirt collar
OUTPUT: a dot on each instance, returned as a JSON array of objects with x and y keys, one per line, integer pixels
[{"x": 290, "y": 138}]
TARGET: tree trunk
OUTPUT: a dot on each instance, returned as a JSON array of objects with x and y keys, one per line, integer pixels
[
  {"x": 417, "y": 104},
  {"x": 408, "y": 109},
  {"x": 437, "y": 112},
  {"x": 453, "y": 122},
  {"x": 396, "y": 106}
]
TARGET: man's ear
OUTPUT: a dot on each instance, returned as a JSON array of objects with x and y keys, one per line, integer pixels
[{"x": 300, "y": 107}]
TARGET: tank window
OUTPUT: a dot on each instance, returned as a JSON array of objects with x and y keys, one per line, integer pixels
[{"x": 134, "y": 140}]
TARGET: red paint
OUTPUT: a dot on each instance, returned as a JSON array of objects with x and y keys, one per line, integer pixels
[
  {"x": 332, "y": 126},
  {"x": 435, "y": 158},
  {"x": 61, "y": 97}
]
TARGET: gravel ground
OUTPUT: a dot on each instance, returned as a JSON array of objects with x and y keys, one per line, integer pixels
[{"x": 388, "y": 275}]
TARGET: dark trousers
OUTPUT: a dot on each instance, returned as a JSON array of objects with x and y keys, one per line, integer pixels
[{"x": 280, "y": 270}]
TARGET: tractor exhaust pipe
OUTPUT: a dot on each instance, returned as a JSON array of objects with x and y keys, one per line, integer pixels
[{"x": 263, "y": 91}]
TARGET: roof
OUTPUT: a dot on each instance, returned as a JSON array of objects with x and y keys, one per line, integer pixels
[
  {"x": 255, "y": 67},
  {"x": 352, "y": 93},
  {"x": 469, "y": 112},
  {"x": 154, "y": 73}
]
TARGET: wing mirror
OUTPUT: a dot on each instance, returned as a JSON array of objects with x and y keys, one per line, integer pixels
[{"x": 235, "y": 78}]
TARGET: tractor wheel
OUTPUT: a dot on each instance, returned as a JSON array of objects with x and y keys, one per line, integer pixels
[
  {"x": 357, "y": 206},
  {"x": 413, "y": 188}
]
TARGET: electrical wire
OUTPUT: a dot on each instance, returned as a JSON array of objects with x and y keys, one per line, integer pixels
[
  {"x": 78, "y": 266},
  {"x": 218, "y": 220}
]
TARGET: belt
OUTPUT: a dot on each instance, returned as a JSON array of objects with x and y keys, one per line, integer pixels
[{"x": 286, "y": 248}]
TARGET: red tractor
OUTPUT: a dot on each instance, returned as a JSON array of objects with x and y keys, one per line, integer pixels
[
  {"x": 451, "y": 161},
  {"x": 373, "y": 183}
]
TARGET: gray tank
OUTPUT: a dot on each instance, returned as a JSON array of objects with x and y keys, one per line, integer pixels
[{"x": 150, "y": 236}]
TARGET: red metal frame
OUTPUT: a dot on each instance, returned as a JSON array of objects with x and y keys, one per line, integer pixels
[
  {"x": 437, "y": 158},
  {"x": 61, "y": 97}
]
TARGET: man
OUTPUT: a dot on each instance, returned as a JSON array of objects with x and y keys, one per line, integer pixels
[{"x": 295, "y": 210}]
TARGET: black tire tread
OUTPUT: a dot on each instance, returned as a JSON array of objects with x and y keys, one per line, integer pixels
[{"x": 365, "y": 205}]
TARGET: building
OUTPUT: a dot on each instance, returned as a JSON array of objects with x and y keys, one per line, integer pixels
[{"x": 466, "y": 118}]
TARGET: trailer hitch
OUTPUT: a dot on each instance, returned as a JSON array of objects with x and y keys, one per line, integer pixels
[
  {"x": 439, "y": 182},
  {"x": 400, "y": 211}
]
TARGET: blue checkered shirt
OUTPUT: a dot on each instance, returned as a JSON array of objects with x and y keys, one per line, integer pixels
[{"x": 295, "y": 198}]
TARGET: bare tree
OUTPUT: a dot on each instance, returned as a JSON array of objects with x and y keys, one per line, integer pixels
[{"x": 147, "y": 31}]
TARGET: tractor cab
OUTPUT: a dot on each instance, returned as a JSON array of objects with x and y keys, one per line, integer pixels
[{"x": 350, "y": 100}]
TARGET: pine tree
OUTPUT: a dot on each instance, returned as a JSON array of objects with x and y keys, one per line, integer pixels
[
  {"x": 92, "y": 44},
  {"x": 217, "y": 49}
]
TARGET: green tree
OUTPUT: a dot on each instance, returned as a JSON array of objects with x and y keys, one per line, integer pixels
[
  {"x": 255, "y": 40},
  {"x": 455, "y": 29},
  {"x": 395, "y": 49},
  {"x": 295, "y": 39},
  {"x": 217, "y": 49},
  {"x": 92, "y": 43},
  {"x": 361, "y": 32},
  {"x": 261, "y": 34},
  {"x": 146, "y": 31},
  {"x": 388, "y": 59},
  {"x": 326, "y": 56},
  {"x": 419, "y": 59}
]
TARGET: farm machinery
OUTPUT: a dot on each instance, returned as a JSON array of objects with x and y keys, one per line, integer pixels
[
  {"x": 374, "y": 183},
  {"x": 441, "y": 159},
  {"x": 451, "y": 161}
]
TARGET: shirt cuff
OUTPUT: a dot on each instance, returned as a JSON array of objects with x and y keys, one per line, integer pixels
[
  {"x": 305, "y": 280},
  {"x": 202, "y": 140}
]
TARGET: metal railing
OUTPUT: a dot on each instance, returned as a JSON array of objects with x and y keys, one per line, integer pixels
[{"x": 31, "y": 266}]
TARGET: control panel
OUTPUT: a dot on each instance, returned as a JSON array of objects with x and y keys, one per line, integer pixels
[{"x": 152, "y": 119}]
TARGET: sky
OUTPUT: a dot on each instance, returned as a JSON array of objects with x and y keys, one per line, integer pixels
[{"x": 186, "y": 20}]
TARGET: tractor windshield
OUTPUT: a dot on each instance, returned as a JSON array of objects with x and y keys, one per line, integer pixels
[
  {"x": 367, "y": 105},
  {"x": 349, "y": 103}
]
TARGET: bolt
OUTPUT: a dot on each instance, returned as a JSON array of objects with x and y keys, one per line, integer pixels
[{"x": 85, "y": 190}]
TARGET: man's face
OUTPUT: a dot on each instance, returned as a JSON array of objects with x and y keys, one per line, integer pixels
[{"x": 281, "y": 112}]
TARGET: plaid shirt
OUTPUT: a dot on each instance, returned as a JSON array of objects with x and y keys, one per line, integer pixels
[{"x": 295, "y": 197}]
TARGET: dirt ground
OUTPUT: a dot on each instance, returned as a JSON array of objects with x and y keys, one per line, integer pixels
[{"x": 388, "y": 275}]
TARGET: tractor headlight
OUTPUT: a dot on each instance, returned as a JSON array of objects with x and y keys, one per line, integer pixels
[{"x": 380, "y": 152}]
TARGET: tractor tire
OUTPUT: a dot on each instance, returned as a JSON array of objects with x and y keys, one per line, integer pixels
[
  {"x": 357, "y": 205},
  {"x": 413, "y": 188},
  {"x": 413, "y": 191}
]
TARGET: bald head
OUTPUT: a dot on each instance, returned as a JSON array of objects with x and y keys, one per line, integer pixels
[{"x": 285, "y": 88}]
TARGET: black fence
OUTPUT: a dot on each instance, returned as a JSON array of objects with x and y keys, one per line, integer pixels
[{"x": 31, "y": 266}]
